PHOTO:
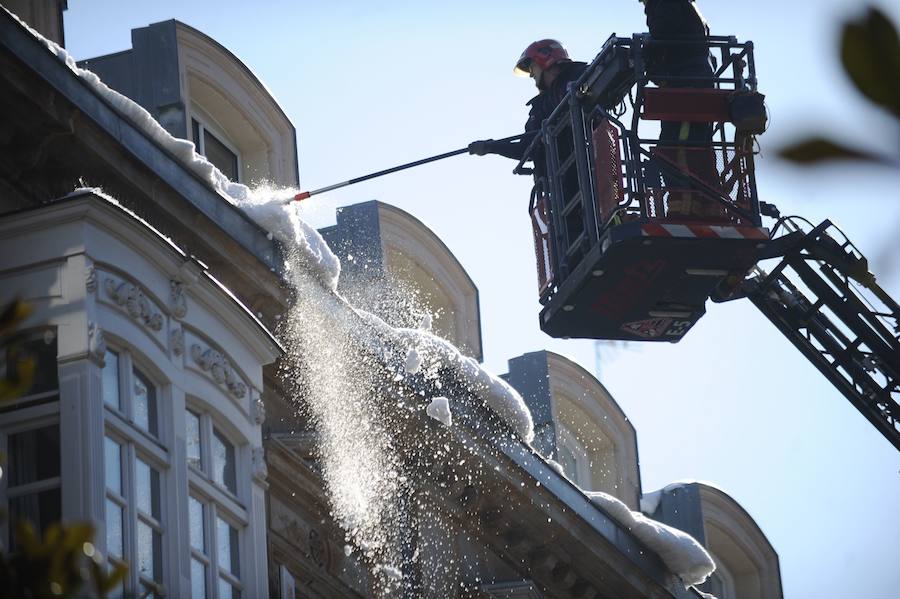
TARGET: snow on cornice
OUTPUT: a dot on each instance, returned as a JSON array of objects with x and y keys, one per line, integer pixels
[{"x": 265, "y": 205}]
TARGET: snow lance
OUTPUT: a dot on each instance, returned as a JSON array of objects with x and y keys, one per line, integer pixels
[{"x": 306, "y": 194}]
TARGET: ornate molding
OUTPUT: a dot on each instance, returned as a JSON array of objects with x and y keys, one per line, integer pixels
[
  {"x": 177, "y": 299},
  {"x": 134, "y": 301},
  {"x": 96, "y": 344},
  {"x": 176, "y": 341},
  {"x": 259, "y": 468},
  {"x": 220, "y": 369},
  {"x": 258, "y": 411},
  {"x": 90, "y": 279}
]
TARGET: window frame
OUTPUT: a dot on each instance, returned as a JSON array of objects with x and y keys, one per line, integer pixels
[
  {"x": 209, "y": 428},
  {"x": 213, "y": 568},
  {"x": 124, "y": 414},
  {"x": 137, "y": 443},
  {"x": 725, "y": 578},
  {"x": 582, "y": 475},
  {"x": 28, "y": 413},
  {"x": 218, "y": 503},
  {"x": 22, "y": 420},
  {"x": 206, "y": 124}
]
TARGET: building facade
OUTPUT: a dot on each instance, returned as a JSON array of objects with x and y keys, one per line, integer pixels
[
  {"x": 140, "y": 419},
  {"x": 159, "y": 413}
]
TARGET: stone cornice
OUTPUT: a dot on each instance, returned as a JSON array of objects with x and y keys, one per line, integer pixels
[{"x": 189, "y": 281}]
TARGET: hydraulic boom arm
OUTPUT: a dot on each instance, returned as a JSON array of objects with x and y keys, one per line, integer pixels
[{"x": 823, "y": 299}]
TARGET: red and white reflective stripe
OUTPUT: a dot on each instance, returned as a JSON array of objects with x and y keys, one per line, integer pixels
[{"x": 706, "y": 231}]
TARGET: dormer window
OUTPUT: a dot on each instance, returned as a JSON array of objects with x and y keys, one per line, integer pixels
[
  {"x": 574, "y": 458},
  {"x": 216, "y": 150}
]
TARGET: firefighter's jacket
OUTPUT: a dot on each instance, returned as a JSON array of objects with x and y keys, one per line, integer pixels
[
  {"x": 542, "y": 106},
  {"x": 676, "y": 20}
]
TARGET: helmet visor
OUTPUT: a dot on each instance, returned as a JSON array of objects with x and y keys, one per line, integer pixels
[{"x": 523, "y": 67}]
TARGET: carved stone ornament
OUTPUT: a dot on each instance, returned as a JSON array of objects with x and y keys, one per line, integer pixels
[
  {"x": 220, "y": 370},
  {"x": 90, "y": 279},
  {"x": 176, "y": 341},
  {"x": 96, "y": 344},
  {"x": 177, "y": 299},
  {"x": 318, "y": 550},
  {"x": 259, "y": 467},
  {"x": 258, "y": 411},
  {"x": 135, "y": 303}
]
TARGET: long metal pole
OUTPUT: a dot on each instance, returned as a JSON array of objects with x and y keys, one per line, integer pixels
[{"x": 306, "y": 194}]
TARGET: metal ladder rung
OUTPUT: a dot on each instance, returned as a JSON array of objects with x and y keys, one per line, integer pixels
[
  {"x": 573, "y": 247},
  {"x": 572, "y": 204}
]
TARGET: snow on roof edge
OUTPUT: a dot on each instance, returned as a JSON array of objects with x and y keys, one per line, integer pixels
[{"x": 256, "y": 203}]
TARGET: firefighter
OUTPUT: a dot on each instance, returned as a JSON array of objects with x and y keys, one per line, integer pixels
[
  {"x": 676, "y": 65},
  {"x": 679, "y": 20},
  {"x": 549, "y": 65}
]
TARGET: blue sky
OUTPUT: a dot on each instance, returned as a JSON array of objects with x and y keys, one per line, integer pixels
[{"x": 372, "y": 84}]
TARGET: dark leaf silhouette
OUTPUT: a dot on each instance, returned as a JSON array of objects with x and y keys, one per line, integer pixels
[
  {"x": 64, "y": 564},
  {"x": 870, "y": 51},
  {"x": 814, "y": 150},
  {"x": 20, "y": 366}
]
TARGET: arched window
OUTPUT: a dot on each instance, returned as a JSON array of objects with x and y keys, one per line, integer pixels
[
  {"x": 574, "y": 458},
  {"x": 216, "y": 513},
  {"x": 721, "y": 582},
  {"x": 594, "y": 428},
  {"x": 136, "y": 467}
]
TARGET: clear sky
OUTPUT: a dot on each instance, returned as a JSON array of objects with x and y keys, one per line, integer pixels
[{"x": 371, "y": 84}]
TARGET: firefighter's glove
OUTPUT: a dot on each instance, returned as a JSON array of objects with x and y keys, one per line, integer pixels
[{"x": 482, "y": 147}]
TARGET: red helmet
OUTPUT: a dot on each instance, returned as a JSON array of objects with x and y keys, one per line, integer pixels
[{"x": 545, "y": 53}]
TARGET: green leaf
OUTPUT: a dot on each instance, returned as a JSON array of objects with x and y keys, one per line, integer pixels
[
  {"x": 816, "y": 150},
  {"x": 870, "y": 51},
  {"x": 12, "y": 315}
]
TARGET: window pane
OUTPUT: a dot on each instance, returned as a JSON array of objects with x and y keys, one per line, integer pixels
[
  {"x": 198, "y": 580},
  {"x": 113, "y": 528},
  {"x": 195, "y": 134},
  {"x": 219, "y": 154},
  {"x": 148, "y": 591},
  {"x": 192, "y": 438},
  {"x": 113, "y": 462},
  {"x": 34, "y": 455},
  {"x": 195, "y": 520},
  {"x": 41, "y": 509},
  {"x": 144, "y": 399},
  {"x": 119, "y": 590},
  {"x": 227, "y": 539},
  {"x": 223, "y": 462},
  {"x": 110, "y": 381},
  {"x": 149, "y": 551},
  {"x": 147, "y": 488},
  {"x": 226, "y": 591}
]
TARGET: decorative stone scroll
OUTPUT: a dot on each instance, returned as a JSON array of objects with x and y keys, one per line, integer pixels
[
  {"x": 258, "y": 466},
  {"x": 135, "y": 303},
  {"x": 177, "y": 299},
  {"x": 258, "y": 411},
  {"x": 176, "y": 341},
  {"x": 220, "y": 369},
  {"x": 96, "y": 344},
  {"x": 90, "y": 279}
]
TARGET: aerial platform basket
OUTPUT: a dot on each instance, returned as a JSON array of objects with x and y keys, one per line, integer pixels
[{"x": 633, "y": 234}]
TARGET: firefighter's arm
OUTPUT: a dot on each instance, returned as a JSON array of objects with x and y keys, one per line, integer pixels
[{"x": 510, "y": 149}]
